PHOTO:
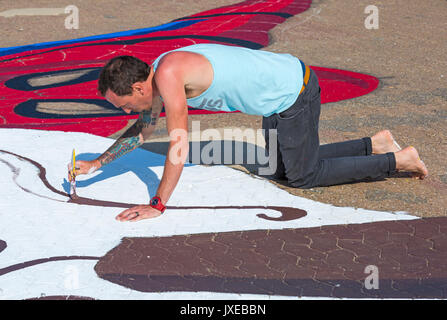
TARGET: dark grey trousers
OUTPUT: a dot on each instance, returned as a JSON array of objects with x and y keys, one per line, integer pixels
[{"x": 304, "y": 163}]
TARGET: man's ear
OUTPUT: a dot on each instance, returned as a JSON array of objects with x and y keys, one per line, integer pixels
[{"x": 138, "y": 87}]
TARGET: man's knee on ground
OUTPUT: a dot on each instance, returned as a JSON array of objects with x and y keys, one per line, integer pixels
[{"x": 304, "y": 182}]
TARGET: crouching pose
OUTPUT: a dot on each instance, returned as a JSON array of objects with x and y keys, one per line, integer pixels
[{"x": 279, "y": 87}]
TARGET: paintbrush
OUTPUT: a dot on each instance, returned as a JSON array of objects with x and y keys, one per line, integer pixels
[{"x": 73, "y": 194}]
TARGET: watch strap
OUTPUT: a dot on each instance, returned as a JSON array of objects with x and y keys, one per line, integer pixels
[{"x": 157, "y": 204}]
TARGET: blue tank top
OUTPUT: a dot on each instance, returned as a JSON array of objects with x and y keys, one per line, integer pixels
[{"x": 251, "y": 81}]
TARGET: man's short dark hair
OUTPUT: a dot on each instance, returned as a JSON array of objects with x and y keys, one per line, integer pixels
[{"x": 120, "y": 73}]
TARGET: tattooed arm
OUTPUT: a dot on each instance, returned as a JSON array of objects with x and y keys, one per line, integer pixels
[
  {"x": 135, "y": 136},
  {"x": 130, "y": 140}
]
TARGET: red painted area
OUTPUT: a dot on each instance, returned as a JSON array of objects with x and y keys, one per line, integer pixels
[
  {"x": 244, "y": 24},
  {"x": 337, "y": 85}
]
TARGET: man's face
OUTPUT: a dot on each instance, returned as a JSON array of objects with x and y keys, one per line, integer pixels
[{"x": 138, "y": 101}]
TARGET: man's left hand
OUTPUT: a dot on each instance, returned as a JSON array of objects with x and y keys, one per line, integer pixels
[{"x": 138, "y": 213}]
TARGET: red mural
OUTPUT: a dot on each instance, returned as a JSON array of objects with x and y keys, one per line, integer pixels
[{"x": 52, "y": 86}]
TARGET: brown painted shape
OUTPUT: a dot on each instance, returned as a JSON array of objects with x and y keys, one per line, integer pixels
[
  {"x": 287, "y": 213},
  {"x": 3, "y": 245},
  {"x": 327, "y": 261},
  {"x": 31, "y": 263},
  {"x": 42, "y": 174}
]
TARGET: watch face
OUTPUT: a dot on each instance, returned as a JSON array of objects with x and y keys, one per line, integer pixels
[{"x": 154, "y": 202}]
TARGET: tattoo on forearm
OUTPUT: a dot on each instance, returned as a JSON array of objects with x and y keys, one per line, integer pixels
[
  {"x": 145, "y": 116},
  {"x": 148, "y": 119},
  {"x": 145, "y": 119},
  {"x": 154, "y": 119},
  {"x": 119, "y": 148},
  {"x": 131, "y": 139}
]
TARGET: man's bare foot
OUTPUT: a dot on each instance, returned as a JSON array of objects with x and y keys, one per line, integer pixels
[
  {"x": 408, "y": 160},
  {"x": 383, "y": 142}
]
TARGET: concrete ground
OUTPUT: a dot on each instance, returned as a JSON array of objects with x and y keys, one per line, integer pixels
[{"x": 407, "y": 53}]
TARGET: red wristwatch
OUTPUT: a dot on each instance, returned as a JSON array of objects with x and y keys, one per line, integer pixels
[{"x": 156, "y": 204}]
